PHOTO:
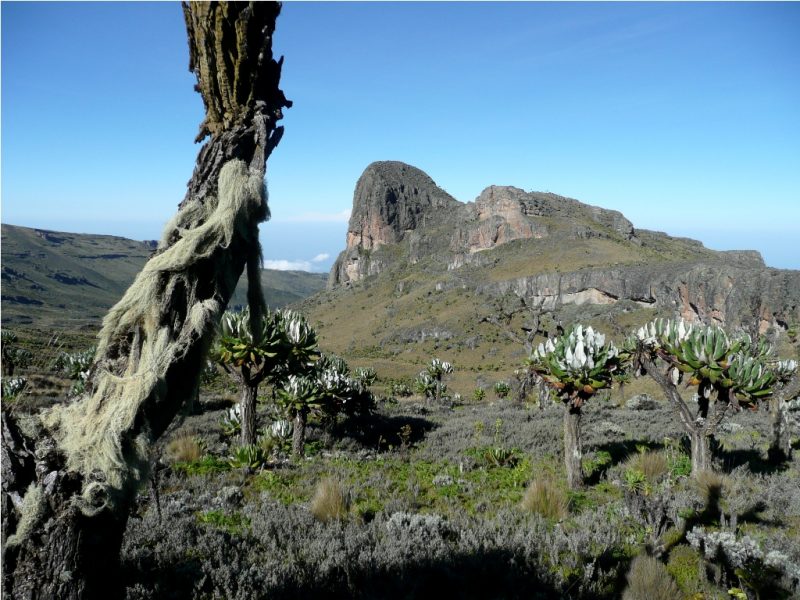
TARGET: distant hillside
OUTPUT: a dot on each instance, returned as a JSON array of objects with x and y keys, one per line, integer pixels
[
  {"x": 68, "y": 280},
  {"x": 427, "y": 275}
]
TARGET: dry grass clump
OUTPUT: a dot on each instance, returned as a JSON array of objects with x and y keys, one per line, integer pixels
[
  {"x": 648, "y": 579},
  {"x": 652, "y": 464},
  {"x": 184, "y": 448},
  {"x": 330, "y": 500},
  {"x": 546, "y": 498},
  {"x": 710, "y": 485}
]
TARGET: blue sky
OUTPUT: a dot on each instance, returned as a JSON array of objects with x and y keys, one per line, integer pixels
[{"x": 683, "y": 116}]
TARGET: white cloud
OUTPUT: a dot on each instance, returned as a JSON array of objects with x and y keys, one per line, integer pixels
[
  {"x": 316, "y": 217},
  {"x": 288, "y": 265},
  {"x": 297, "y": 265}
]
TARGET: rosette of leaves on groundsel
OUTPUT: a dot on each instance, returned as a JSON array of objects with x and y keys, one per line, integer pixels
[
  {"x": 76, "y": 366},
  {"x": 343, "y": 391},
  {"x": 301, "y": 340},
  {"x": 238, "y": 347},
  {"x": 576, "y": 364},
  {"x": 737, "y": 370}
]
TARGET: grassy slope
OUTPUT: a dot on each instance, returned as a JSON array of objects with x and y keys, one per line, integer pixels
[
  {"x": 70, "y": 280},
  {"x": 372, "y": 322}
]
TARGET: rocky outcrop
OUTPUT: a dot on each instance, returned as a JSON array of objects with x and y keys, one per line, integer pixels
[
  {"x": 391, "y": 200},
  {"x": 709, "y": 292},
  {"x": 400, "y": 217},
  {"x": 496, "y": 217},
  {"x": 395, "y": 203}
]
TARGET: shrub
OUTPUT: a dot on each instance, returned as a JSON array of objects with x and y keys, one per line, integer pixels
[
  {"x": 648, "y": 579},
  {"x": 231, "y": 423},
  {"x": 709, "y": 485},
  {"x": 234, "y": 524},
  {"x": 546, "y": 498},
  {"x": 686, "y": 567},
  {"x": 400, "y": 389},
  {"x": 478, "y": 394},
  {"x": 769, "y": 573},
  {"x": 76, "y": 366},
  {"x": 430, "y": 381},
  {"x": 249, "y": 456},
  {"x": 184, "y": 448},
  {"x": 501, "y": 389},
  {"x": 329, "y": 501},
  {"x": 13, "y": 387},
  {"x": 498, "y": 456}
]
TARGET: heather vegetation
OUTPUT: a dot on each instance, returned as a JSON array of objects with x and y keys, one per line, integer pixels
[{"x": 398, "y": 488}]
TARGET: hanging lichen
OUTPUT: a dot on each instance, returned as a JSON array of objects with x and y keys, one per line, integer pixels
[{"x": 106, "y": 435}]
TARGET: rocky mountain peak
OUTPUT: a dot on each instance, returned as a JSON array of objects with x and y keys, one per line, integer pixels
[
  {"x": 545, "y": 204},
  {"x": 566, "y": 253},
  {"x": 397, "y": 203},
  {"x": 390, "y": 199}
]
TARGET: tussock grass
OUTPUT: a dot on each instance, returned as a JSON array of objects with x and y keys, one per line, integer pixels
[
  {"x": 648, "y": 579},
  {"x": 330, "y": 500},
  {"x": 709, "y": 485},
  {"x": 184, "y": 448},
  {"x": 546, "y": 498},
  {"x": 652, "y": 464}
]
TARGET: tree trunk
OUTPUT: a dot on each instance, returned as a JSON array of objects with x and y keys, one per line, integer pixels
[
  {"x": 78, "y": 557},
  {"x": 248, "y": 414},
  {"x": 780, "y": 448},
  {"x": 299, "y": 435},
  {"x": 701, "y": 452},
  {"x": 573, "y": 451},
  {"x": 72, "y": 483},
  {"x": 695, "y": 427}
]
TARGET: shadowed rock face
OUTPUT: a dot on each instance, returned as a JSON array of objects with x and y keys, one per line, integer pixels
[
  {"x": 392, "y": 198},
  {"x": 712, "y": 293},
  {"x": 400, "y": 216}
]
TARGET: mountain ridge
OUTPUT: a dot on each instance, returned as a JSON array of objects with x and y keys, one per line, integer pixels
[
  {"x": 406, "y": 219},
  {"x": 61, "y": 279}
]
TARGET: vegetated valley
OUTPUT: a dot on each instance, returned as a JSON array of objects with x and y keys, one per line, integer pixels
[{"x": 436, "y": 423}]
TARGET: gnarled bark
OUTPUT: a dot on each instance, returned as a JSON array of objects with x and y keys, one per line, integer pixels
[
  {"x": 700, "y": 428},
  {"x": 573, "y": 450},
  {"x": 74, "y": 472},
  {"x": 780, "y": 448},
  {"x": 248, "y": 414}
]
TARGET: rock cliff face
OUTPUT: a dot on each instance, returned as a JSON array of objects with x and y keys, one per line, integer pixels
[
  {"x": 400, "y": 217},
  {"x": 712, "y": 293},
  {"x": 392, "y": 199},
  {"x": 396, "y": 203}
]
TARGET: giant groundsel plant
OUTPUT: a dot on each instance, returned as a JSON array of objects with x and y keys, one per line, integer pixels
[
  {"x": 730, "y": 373},
  {"x": 577, "y": 365}
]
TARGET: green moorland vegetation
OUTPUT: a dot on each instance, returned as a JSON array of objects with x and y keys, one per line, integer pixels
[{"x": 435, "y": 488}]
